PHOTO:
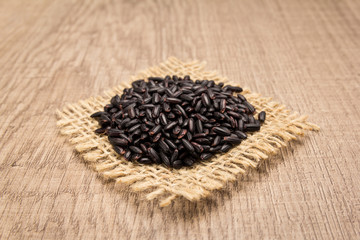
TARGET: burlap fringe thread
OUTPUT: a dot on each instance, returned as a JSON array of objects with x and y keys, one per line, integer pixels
[{"x": 192, "y": 183}]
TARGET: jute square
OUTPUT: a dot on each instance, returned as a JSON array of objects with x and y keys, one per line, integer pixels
[{"x": 192, "y": 183}]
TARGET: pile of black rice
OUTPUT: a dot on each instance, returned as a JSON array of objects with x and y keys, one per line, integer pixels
[{"x": 176, "y": 121}]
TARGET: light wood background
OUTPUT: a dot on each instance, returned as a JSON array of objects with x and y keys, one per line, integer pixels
[{"x": 305, "y": 54}]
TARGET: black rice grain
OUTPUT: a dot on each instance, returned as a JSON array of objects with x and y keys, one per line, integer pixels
[
  {"x": 135, "y": 149},
  {"x": 198, "y": 147},
  {"x": 188, "y": 145},
  {"x": 170, "y": 125},
  {"x": 119, "y": 150},
  {"x": 174, "y": 100},
  {"x": 252, "y": 127},
  {"x": 163, "y": 119},
  {"x": 216, "y": 141},
  {"x": 155, "y": 130},
  {"x": 154, "y": 155},
  {"x": 223, "y": 131},
  {"x": 118, "y": 141},
  {"x": 205, "y": 156},
  {"x": 127, "y": 155},
  {"x": 174, "y": 155},
  {"x": 164, "y": 146},
  {"x": 170, "y": 143},
  {"x": 145, "y": 160},
  {"x": 176, "y": 130},
  {"x": 165, "y": 159},
  {"x": 262, "y": 116},
  {"x": 205, "y": 100},
  {"x": 100, "y": 130},
  {"x": 177, "y": 164},
  {"x": 225, "y": 148},
  {"x": 191, "y": 125},
  {"x": 156, "y": 138},
  {"x": 233, "y": 139},
  {"x": 182, "y": 133},
  {"x": 199, "y": 126}
]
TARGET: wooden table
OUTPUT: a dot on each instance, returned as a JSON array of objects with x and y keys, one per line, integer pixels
[{"x": 305, "y": 54}]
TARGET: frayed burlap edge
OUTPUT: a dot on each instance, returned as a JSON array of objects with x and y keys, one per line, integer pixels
[{"x": 192, "y": 183}]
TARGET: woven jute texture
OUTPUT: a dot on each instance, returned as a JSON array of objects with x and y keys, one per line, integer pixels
[{"x": 192, "y": 183}]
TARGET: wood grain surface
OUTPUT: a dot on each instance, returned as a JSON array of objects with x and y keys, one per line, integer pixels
[{"x": 305, "y": 54}]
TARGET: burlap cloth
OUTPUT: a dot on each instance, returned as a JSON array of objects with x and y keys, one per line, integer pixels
[{"x": 192, "y": 183}]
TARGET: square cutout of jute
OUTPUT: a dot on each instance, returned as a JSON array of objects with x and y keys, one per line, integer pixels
[{"x": 192, "y": 183}]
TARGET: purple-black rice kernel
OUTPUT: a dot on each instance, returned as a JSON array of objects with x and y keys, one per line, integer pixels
[
  {"x": 185, "y": 123},
  {"x": 171, "y": 116},
  {"x": 119, "y": 150},
  {"x": 205, "y": 100},
  {"x": 135, "y": 149},
  {"x": 170, "y": 125},
  {"x": 262, "y": 116},
  {"x": 113, "y": 132},
  {"x": 153, "y": 155},
  {"x": 170, "y": 143},
  {"x": 215, "y": 149},
  {"x": 198, "y": 148},
  {"x": 97, "y": 114},
  {"x": 166, "y": 107},
  {"x": 100, "y": 130},
  {"x": 222, "y": 105},
  {"x": 249, "y": 106},
  {"x": 199, "y": 126},
  {"x": 187, "y": 145},
  {"x": 134, "y": 128},
  {"x": 241, "y": 134},
  {"x": 225, "y": 147},
  {"x": 191, "y": 125},
  {"x": 189, "y": 136},
  {"x": 182, "y": 111},
  {"x": 174, "y": 155},
  {"x": 155, "y": 130},
  {"x": 197, "y": 106},
  {"x": 182, "y": 133},
  {"x": 203, "y": 110},
  {"x": 200, "y": 135},
  {"x": 201, "y": 118},
  {"x": 145, "y": 160},
  {"x": 223, "y": 131},
  {"x": 176, "y": 130},
  {"x": 206, "y": 141},
  {"x": 165, "y": 159},
  {"x": 124, "y": 136},
  {"x": 143, "y": 147},
  {"x": 173, "y": 100},
  {"x": 188, "y": 161},
  {"x": 156, "y": 79},
  {"x": 177, "y": 164},
  {"x": 127, "y": 155},
  {"x": 164, "y": 146},
  {"x": 233, "y": 139},
  {"x": 186, "y": 97},
  {"x": 216, "y": 141},
  {"x": 252, "y": 127},
  {"x": 157, "y": 137},
  {"x": 206, "y": 156},
  {"x": 118, "y": 141},
  {"x": 163, "y": 119}
]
